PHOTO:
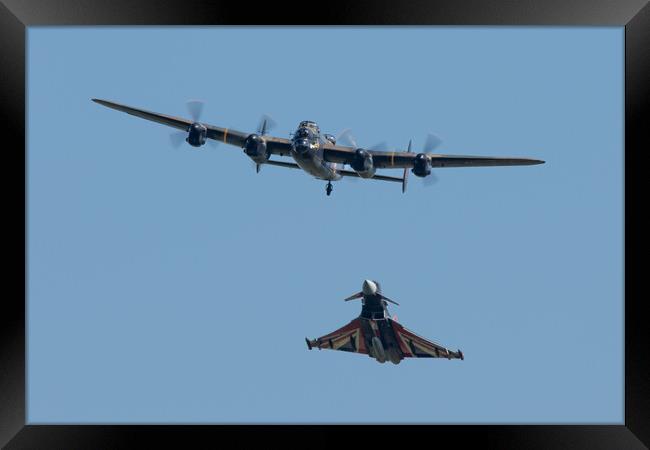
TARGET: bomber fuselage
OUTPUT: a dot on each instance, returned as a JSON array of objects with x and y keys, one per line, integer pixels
[{"x": 307, "y": 150}]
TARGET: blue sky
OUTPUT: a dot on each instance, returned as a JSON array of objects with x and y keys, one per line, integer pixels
[{"x": 177, "y": 286}]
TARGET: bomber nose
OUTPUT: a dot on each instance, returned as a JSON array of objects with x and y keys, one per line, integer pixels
[
  {"x": 301, "y": 146},
  {"x": 369, "y": 287}
]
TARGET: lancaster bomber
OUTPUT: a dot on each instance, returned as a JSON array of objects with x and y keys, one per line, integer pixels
[
  {"x": 319, "y": 154},
  {"x": 376, "y": 334}
]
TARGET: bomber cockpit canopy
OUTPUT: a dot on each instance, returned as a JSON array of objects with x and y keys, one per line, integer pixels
[
  {"x": 304, "y": 133},
  {"x": 309, "y": 124}
]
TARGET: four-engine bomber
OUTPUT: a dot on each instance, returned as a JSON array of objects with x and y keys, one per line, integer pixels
[{"x": 319, "y": 154}]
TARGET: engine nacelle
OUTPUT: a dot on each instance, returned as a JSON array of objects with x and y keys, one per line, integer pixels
[
  {"x": 197, "y": 135},
  {"x": 362, "y": 163},
  {"x": 393, "y": 354},
  {"x": 421, "y": 166},
  {"x": 378, "y": 350},
  {"x": 255, "y": 148}
]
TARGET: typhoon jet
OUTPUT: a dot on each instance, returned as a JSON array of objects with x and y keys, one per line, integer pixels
[
  {"x": 318, "y": 154},
  {"x": 376, "y": 334}
]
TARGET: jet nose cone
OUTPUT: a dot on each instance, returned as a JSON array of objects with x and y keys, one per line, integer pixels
[{"x": 369, "y": 287}]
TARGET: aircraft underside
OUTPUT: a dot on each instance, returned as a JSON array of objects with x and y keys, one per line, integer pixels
[
  {"x": 380, "y": 341},
  {"x": 376, "y": 334},
  {"x": 316, "y": 167}
]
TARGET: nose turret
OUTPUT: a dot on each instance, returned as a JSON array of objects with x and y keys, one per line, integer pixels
[{"x": 302, "y": 140}]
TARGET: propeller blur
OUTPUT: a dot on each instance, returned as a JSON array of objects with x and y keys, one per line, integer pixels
[{"x": 321, "y": 156}]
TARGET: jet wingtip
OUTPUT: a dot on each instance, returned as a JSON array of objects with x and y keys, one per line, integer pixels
[{"x": 308, "y": 343}]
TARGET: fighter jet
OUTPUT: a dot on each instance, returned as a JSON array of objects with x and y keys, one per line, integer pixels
[
  {"x": 376, "y": 334},
  {"x": 318, "y": 154}
]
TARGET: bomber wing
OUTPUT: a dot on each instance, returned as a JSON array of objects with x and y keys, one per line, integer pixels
[
  {"x": 277, "y": 146},
  {"x": 398, "y": 159}
]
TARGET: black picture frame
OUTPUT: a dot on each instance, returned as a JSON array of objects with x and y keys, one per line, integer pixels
[{"x": 16, "y": 15}]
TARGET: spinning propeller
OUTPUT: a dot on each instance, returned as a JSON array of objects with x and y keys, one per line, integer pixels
[
  {"x": 266, "y": 124},
  {"x": 195, "y": 110},
  {"x": 347, "y": 138},
  {"x": 431, "y": 143}
]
